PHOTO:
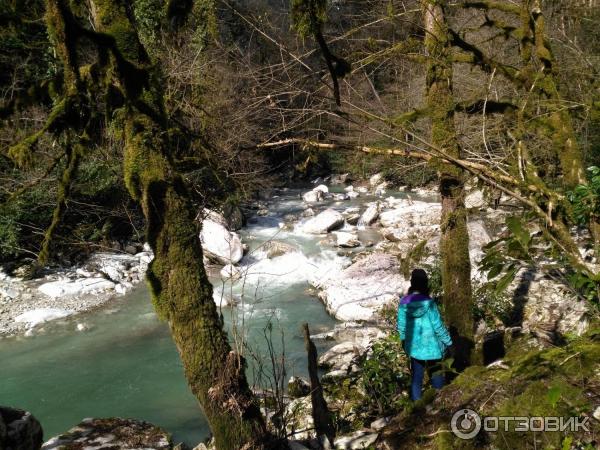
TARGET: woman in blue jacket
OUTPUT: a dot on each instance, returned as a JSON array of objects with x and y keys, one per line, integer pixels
[{"x": 423, "y": 333}]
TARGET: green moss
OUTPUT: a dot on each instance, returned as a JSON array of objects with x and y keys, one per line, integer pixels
[{"x": 74, "y": 153}]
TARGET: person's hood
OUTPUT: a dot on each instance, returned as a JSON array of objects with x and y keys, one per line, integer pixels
[
  {"x": 417, "y": 309},
  {"x": 416, "y": 304}
]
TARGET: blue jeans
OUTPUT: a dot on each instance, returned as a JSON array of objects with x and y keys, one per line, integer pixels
[{"x": 417, "y": 369}]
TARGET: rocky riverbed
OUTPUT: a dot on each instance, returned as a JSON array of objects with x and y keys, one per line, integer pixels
[
  {"x": 27, "y": 305},
  {"x": 360, "y": 236}
]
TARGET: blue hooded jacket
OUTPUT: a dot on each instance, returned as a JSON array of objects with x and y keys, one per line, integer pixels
[{"x": 421, "y": 328}]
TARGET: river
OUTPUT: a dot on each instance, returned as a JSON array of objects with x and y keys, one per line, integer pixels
[{"x": 125, "y": 364}]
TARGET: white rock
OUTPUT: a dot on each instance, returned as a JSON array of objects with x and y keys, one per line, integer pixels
[
  {"x": 375, "y": 179},
  {"x": 324, "y": 222},
  {"x": 220, "y": 244},
  {"x": 83, "y": 326},
  {"x": 370, "y": 215},
  {"x": 353, "y": 194},
  {"x": 356, "y": 440},
  {"x": 223, "y": 300},
  {"x": 334, "y": 375},
  {"x": 358, "y": 292},
  {"x": 324, "y": 189},
  {"x": 38, "y": 316},
  {"x": 274, "y": 248},
  {"x": 312, "y": 196},
  {"x": 475, "y": 199},
  {"x": 409, "y": 214},
  {"x": 298, "y": 418},
  {"x": 9, "y": 292},
  {"x": 146, "y": 247},
  {"x": 340, "y": 197},
  {"x": 362, "y": 189},
  {"x": 549, "y": 306},
  {"x": 213, "y": 216},
  {"x": 357, "y": 333},
  {"x": 145, "y": 257},
  {"x": 231, "y": 271},
  {"x": 339, "y": 178},
  {"x": 84, "y": 273},
  {"x": 349, "y": 188},
  {"x": 596, "y": 413},
  {"x": 340, "y": 356},
  {"x": 380, "y": 423},
  {"x": 380, "y": 189},
  {"x": 478, "y": 238},
  {"x": 123, "y": 288},
  {"x": 346, "y": 240},
  {"x": 80, "y": 286}
]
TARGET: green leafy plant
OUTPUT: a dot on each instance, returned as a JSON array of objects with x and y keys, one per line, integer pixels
[
  {"x": 490, "y": 305},
  {"x": 505, "y": 256},
  {"x": 385, "y": 375},
  {"x": 585, "y": 198}
]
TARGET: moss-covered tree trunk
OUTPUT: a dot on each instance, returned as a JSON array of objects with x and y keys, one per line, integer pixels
[
  {"x": 538, "y": 76},
  {"x": 181, "y": 291},
  {"x": 454, "y": 243}
]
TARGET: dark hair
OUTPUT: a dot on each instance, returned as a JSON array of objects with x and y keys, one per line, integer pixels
[{"x": 419, "y": 282}]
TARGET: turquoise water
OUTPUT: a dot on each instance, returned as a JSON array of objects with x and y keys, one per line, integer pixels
[{"x": 126, "y": 365}]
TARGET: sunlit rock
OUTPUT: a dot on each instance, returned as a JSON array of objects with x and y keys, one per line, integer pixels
[
  {"x": 219, "y": 244},
  {"x": 324, "y": 222}
]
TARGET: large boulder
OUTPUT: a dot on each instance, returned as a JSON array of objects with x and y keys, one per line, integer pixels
[
  {"x": 411, "y": 213},
  {"x": 324, "y": 222},
  {"x": 359, "y": 291},
  {"x": 357, "y": 333},
  {"x": 324, "y": 189},
  {"x": 370, "y": 215},
  {"x": 38, "y": 316},
  {"x": 478, "y": 238},
  {"x": 275, "y": 248},
  {"x": 341, "y": 356},
  {"x": 112, "y": 433},
  {"x": 219, "y": 244},
  {"x": 19, "y": 430},
  {"x": 80, "y": 286},
  {"x": 312, "y": 196},
  {"x": 357, "y": 440},
  {"x": 213, "y": 216},
  {"x": 115, "y": 266},
  {"x": 298, "y": 418},
  {"x": 546, "y": 308},
  {"x": 475, "y": 199},
  {"x": 346, "y": 240},
  {"x": 375, "y": 179},
  {"x": 234, "y": 217}
]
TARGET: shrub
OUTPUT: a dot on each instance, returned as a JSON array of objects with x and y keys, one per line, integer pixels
[{"x": 385, "y": 375}]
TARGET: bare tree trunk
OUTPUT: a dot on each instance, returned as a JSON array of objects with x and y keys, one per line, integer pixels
[
  {"x": 454, "y": 242},
  {"x": 181, "y": 291},
  {"x": 320, "y": 412}
]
